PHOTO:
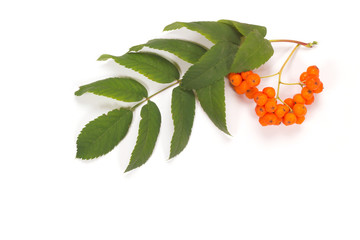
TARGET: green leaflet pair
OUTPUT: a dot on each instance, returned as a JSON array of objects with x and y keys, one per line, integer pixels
[{"x": 237, "y": 47}]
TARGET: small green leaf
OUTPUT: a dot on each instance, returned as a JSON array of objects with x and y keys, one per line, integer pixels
[
  {"x": 105, "y": 57},
  {"x": 148, "y": 132},
  {"x": 183, "y": 111},
  {"x": 123, "y": 89},
  {"x": 102, "y": 134},
  {"x": 245, "y": 28},
  {"x": 151, "y": 65},
  {"x": 137, "y": 47},
  {"x": 212, "y": 66},
  {"x": 252, "y": 53},
  {"x": 212, "y": 101},
  {"x": 214, "y": 31},
  {"x": 186, "y": 50}
]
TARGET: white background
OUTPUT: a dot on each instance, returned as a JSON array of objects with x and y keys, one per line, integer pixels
[{"x": 298, "y": 182}]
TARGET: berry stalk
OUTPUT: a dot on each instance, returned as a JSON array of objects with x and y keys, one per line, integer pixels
[
  {"x": 308, "y": 45},
  {"x": 280, "y": 74}
]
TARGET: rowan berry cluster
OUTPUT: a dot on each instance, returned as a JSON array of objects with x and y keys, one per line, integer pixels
[{"x": 268, "y": 109}]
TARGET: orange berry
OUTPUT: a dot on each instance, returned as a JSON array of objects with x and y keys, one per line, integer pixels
[
  {"x": 289, "y": 118},
  {"x": 300, "y": 120},
  {"x": 298, "y": 99},
  {"x": 319, "y": 89},
  {"x": 310, "y": 101},
  {"x": 260, "y": 110},
  {"x": 281, "y": 110},
  {"x": 270, "y": 105},
  {"x": 242, "y": 88},
  {"x": 250, "y": 93},
  {"x": 269, "y": 91},
  {"x": 289, "y": 102},
  {"x": 230, "y": 75},
  {"x": 262, "y": 121},
  {"x": 303, "y": 76},
  {"x": 306, "y": 93},
  {"x": 278, "y": 120},
  {"x": 237, "y": 89},
  {"x": 313, "y": 70},
  {"x": 312, "y": 82},
  {"x": 260, "y": 98},
  {"x": 271, "y": 119},
  {"x": 245, "y": 74},
  {"x": 235, "y": 79},
  {"x": 253, "y": 79},
  {"x": 299, "y": 110}
]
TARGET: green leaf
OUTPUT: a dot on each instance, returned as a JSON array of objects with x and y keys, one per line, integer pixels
[
  {"x": 183, "y": 111},
  {"x": 123, "y": 89},
  {"x": 148, "y": 132},
  {"x": 212, "y": 66},
  {"x": 151, "y": 65},
  {"x": 245, "y": 28},
  {"x": 212, "y": 100},
  {"x": 214, "y": 31},
  {"x": 252, "y": 53},
  {"x": 102, "y": 134},
  {"x": 186, "y": 50}
]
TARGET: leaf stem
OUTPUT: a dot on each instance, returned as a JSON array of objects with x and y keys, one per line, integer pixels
[{"x": 153, "y": 95}]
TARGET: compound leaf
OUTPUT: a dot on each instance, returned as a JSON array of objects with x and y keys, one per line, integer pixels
[
  {"x": 213, "y": 31},
  {"x": 252, "y": 53},
  {"x": 245, "y": 28},
  {"x": 212, "y": 66},
  {"x": 186, "y": 50},
  {"x": 123, "y": 89},
  {"x": 102, "y": 134},
  {"x": 149, "y": 128},
  {"x": 212, "y": 101},
  {"x": 151, "y": 65},
  {"x": 183, "y": 112}
]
